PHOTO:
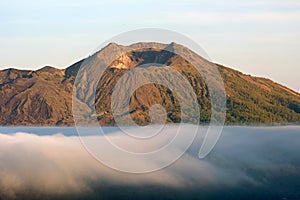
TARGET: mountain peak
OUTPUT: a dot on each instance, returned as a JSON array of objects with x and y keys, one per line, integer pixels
[
  {"x": 45, "y": 95},
  {"x": 47, "y": 69},
  {"x": 51, "y": 70},
  {"x": 148, "y": 45},
  {"x": 111, "y": 45}
]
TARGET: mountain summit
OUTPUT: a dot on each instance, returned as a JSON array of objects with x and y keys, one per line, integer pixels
[{"x": 44, "y": 96}]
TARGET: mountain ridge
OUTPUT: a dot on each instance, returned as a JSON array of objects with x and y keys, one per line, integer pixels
[{"x": 44, "y": 96}]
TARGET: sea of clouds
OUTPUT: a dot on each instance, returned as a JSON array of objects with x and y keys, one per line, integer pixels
[{"x": 247, "y": 161}]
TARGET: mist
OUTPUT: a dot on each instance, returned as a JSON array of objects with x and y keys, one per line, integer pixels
[{"x": 247, "y": 162}]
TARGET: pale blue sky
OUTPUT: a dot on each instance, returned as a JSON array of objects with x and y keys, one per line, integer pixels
[{"x": 259, "y": 37}]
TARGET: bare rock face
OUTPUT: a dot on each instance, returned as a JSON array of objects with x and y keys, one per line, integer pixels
[
  {"x": 44, "y": 97},
  {"x": 36, "y": 98}
]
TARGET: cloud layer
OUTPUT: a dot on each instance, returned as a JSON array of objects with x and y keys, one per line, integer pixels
[{"x": 245, "y": 161}]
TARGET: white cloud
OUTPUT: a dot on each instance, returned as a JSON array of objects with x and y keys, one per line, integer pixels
[
  {"x": 59, "y": 165},
  {"x": 204, "y": 18}
]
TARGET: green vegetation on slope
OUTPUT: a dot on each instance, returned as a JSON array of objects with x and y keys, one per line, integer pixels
[{"x": 44, "y": 97}]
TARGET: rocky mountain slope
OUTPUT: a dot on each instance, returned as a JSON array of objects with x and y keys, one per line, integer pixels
[{"x": 44, "y": 96}]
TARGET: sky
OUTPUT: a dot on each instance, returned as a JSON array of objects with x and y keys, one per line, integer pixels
[{"x": 257, "y": 37}]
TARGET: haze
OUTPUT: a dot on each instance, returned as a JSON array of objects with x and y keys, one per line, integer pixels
[
  {"x": 247, "y": 162},
  {"x": 259, "y": 37}
]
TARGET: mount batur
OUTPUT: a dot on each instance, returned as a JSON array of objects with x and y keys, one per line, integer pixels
[{"x": 44, "y": 97}]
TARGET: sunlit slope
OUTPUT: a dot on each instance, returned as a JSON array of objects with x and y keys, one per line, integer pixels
[{"x": 44, "y": 97}]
